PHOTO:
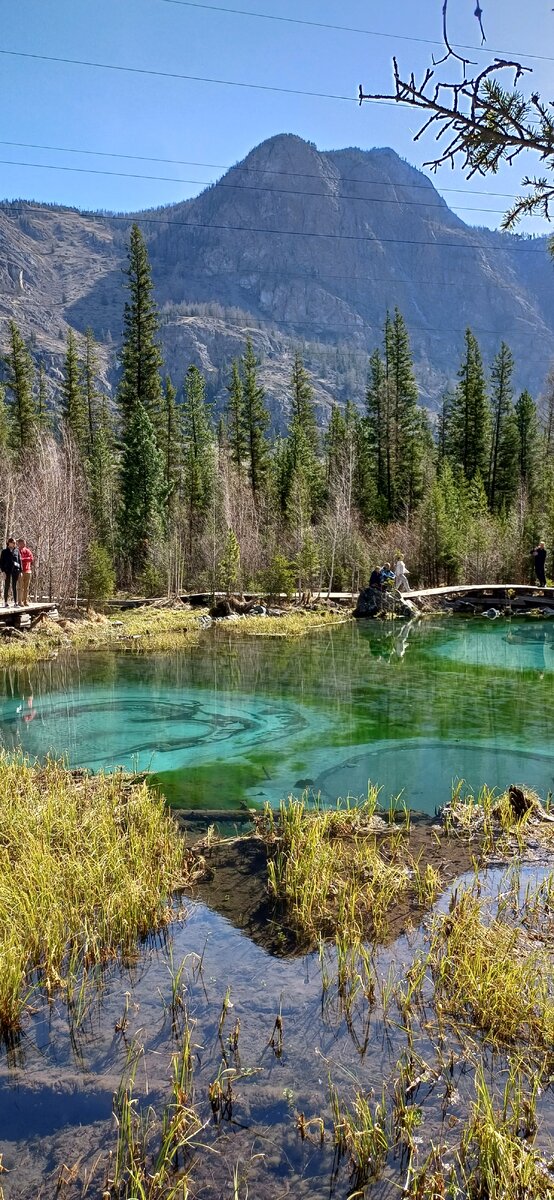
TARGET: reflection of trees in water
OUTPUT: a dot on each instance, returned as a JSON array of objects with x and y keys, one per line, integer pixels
[{"x": 375, "y": 680}]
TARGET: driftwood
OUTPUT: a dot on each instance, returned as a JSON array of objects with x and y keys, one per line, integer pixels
[{"x": 522, "y": 804}]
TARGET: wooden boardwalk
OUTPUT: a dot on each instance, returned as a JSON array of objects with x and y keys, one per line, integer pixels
[
  {"x": 519, "y": 597},
  {"x": 12, "y": 615}
]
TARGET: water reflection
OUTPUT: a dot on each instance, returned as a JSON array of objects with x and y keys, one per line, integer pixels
[{"x": 411, "y": 706}]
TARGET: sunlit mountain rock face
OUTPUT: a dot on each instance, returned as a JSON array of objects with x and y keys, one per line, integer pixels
[{"x": 298, "y": 248}]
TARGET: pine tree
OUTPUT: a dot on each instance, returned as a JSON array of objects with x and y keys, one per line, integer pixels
[
  {"x": 404, "y": 490},
  {"x": 235, "y": 420},
  {"x": 527, "y": 433},
  {"x": 378, "y": 432},
  {"x": 142, "y": 491},
  {"x": 88, "y": 383},
  {"x": 4, "y": 421},
  {"x": 43, "y": 410},
  {"x": 335, "y": 440},
  {"x": 23, "y": 410},
  {"x": 103, "y": 477},
  {"x": 507, "y": 479},
  {"x": 141, "y": 357},
  {"x": 229, "y": 564},
  {"x": 74, "y": 409},
  {"x": 502, "y": 441},
  {"x": 170, "y": 442},
  {"x": 469, "y": 438},
  {"x": 199, "y": 455},
  {"x": 256, "y": 421},
  {"x": 302, "y": 473},
  {"x": 443, "y": 426}
]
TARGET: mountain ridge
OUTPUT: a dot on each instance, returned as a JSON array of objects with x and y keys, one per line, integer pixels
[{"x": 298, "y": 247}]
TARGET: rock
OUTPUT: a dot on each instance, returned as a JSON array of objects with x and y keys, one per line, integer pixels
[
  {"x": 492, "y": 613},
  {"x": 371, "y": 602}
]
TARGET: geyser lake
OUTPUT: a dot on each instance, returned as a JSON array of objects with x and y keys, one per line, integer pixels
[{"x": 233, "y": 720}]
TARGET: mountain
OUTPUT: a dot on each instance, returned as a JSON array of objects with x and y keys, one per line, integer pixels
[{"x": 296, "y": 247}]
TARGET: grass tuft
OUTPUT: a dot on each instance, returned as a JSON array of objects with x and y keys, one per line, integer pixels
[
  {"x": 88, "y": 865},
  {"x": 483, "y": 972}
]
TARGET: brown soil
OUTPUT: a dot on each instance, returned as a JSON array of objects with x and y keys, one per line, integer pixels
[{"x": 234, "y": 883}]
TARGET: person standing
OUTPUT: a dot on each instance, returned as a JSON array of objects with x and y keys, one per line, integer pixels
[
  {"x": 400, "y": 576},
  {"x": 27, "y": 559},
  {"x": 10, "y": 564},
  {"x": 539, "y": 555}
]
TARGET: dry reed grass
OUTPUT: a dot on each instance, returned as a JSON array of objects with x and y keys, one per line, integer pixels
[{"x": 87, "y": 866}]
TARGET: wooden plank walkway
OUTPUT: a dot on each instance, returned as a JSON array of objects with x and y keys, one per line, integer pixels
[
  {"x": 513, "y": 595},
  {"x": 13, "y": 615}
]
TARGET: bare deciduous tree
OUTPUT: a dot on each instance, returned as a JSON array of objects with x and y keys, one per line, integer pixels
[{"x": 51, "y": 511}]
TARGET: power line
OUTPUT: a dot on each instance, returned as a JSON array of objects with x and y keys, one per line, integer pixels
[
  {"x": 360, "y": 326},
  {"x": 259, "y": 87},
  {"x": 377, "y": 33},
  {"x": 242, "y": 187},
  {"x": 131, "y": 219},
  {"x": 185, "y": 162}
]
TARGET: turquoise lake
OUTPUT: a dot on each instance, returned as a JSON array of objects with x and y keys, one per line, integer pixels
[{"x": 412, "y": 708}]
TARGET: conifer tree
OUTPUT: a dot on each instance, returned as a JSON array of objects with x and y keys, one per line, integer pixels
[
  {"x": 4, "y": 421},
  {"x": 469, "y": 438},
  {"x": 302, "y": 472},
  {"x": 525, "y": 412},
  {"x": 335, "y": 442},
  {"x": 443, "y": 426},
  {"x": 235, "y": 420},
  {"x": 256, "y": 421},
  {"x": 199, "y": 455},
  {"x": 229, "y": 563},
  {"x": 88, "y": 383},
  {"x": 43, "y": 410},
  {"x": 405, "y": 483},
  {"x": 142, "y": 491},
  {"x": 378, "y": 432},
  {"x": 141, "y": 357},
  {"x": 22, "y": 409},
  {"x": 74, "y": 409},
  {"x": 502, "y": 439},
  {"x": 103, "y": 477},
  {"x": 170, "y": 441}
]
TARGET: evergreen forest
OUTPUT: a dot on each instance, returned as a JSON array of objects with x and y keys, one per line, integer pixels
[{"x": 156, "y": 494}]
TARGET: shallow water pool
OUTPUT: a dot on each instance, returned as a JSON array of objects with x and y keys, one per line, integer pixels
[{"x": 412, "y": 708}]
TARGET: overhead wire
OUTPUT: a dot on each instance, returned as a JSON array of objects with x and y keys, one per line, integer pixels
[
  {"x": 242, "y": 187},
  {"x": 151, "y": 71},
  {"x": 185, "y": 162},
  {"x": 376, "y": 33},
  {"x": 141, "y": 218}
]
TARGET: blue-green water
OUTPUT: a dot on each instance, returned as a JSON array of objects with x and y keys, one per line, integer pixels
[{"x": 411, "y": 708}]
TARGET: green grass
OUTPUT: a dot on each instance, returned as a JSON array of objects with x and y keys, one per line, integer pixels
[
  {"x": 331, "y": 871},
  {"x": 292, "y": 624},
  {"x": 485, "y": 973},
  {"x": 150, "y": 629},
  {"x": 87, "y": 866}
]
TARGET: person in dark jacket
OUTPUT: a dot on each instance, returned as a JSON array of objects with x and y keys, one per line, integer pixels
[
  {"x": 539, "y": 555},
  {"x": 10, "y": 564}
]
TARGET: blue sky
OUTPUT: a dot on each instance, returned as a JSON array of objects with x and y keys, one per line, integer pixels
[{"x": 62, "y": 105}]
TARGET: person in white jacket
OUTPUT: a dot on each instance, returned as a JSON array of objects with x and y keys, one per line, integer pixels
[{"x": 400, "y": 576}]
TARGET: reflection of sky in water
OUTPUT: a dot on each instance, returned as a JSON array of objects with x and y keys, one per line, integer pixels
[
  {"x": 530, "y": 648},
  {"x": 413, "y": 708}
]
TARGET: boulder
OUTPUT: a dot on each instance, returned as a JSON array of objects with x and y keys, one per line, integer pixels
[{"x": 372, "y": 602}]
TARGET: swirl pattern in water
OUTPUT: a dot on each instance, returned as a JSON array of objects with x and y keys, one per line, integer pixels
[{"x": 411, "y": 708}]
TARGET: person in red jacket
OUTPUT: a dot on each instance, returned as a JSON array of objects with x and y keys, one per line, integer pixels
[{"x": 27, "y": 559}]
